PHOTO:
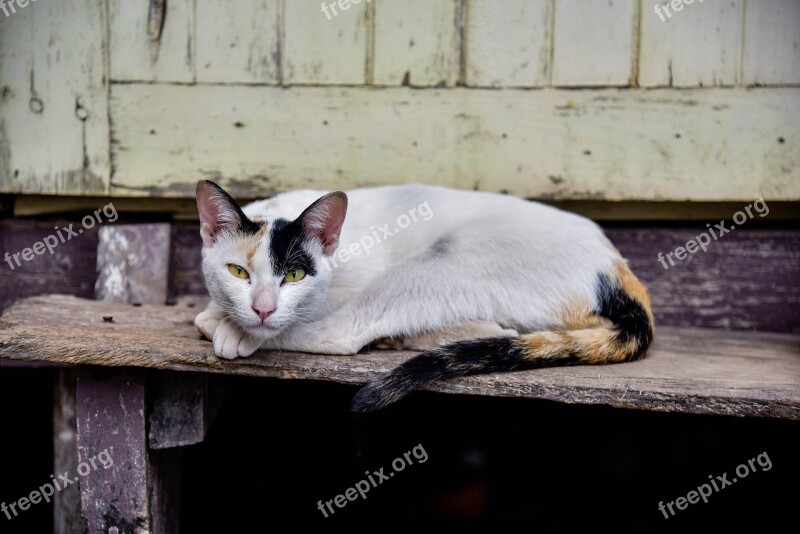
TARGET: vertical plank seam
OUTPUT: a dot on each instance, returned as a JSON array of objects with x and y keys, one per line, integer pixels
[
  {"x": 369, "y": 63},
  {"x": 281, "y": 22},
  {"x": 193, "y": 38},
  {"x": 637, "y": 43},
  {"x": 107, "y": 79},
  {"x": 740, "y": 82},
  {"x": 551, "y": 43},
  {"x": 462, "y": 14}
]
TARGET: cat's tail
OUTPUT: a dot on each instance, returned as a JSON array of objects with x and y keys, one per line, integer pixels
[{"x": 620, "y": 328}]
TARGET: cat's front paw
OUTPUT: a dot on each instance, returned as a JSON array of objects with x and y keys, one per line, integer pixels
[
  {"x": 231, "y": 342},
  {"x": 207, "y": 322}
]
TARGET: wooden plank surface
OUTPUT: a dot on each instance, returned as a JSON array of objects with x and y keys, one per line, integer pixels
[
  {"x": 771, "y": 42},
  {"x": 54, "y": 99},
  {"x": 703, "y": 144},
  {"x": 238, "y": 44},
  {"x": 593, "y": 43},
  {"x": 417, "y": 42},
  {"x": 320, "y": 49},
  {"x": 508, "y": 46},
  {"x": 138, "y": 51},
  {"x": 699, "y": 46},
  {"x": 687, "y": 370}
]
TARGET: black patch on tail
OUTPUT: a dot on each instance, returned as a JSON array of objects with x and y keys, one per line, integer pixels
[
  {"x": 628, "y": 315},
  {"x": 463, "y": 358},
  {"x": 286, "y": 248}
]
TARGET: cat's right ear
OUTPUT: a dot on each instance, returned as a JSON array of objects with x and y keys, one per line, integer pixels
[{"x": 218, "y": 211}]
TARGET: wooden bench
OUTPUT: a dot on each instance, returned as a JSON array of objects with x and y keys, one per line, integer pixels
[{"x": 117, "y": 392}]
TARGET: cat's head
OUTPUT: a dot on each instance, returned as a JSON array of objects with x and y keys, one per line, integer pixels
[{"x": 267, "y": 274}]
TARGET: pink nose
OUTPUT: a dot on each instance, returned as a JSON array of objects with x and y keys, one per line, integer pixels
[{"x": 263, "y": 313}]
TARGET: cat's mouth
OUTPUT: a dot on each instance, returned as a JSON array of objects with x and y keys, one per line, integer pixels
[{"x": 263, "y": 330}]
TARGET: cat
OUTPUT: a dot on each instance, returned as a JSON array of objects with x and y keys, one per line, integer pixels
[{"x": 482, "y": 282}]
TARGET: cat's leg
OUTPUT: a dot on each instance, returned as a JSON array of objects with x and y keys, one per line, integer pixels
[
  {"x": 229, "y": 340},
  {"x": 208, "y": 320},
  {"x": 449, "y": 334}
]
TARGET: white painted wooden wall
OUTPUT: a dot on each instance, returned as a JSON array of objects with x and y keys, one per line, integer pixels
[{"x": 568, "y": 99}]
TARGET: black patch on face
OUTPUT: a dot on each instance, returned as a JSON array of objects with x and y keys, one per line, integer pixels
[
  {"x": 286, "y": 248},
  {"x": 627, "y": 314}
]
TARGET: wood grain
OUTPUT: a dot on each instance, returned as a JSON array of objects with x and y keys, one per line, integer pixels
[
  {"x": 687, "y": 370},
  {"x": 700, "y": 46},
  {"x": 717, "y": 144},
  {"x": 54, "y": 132},
  {"x": 593, "y": 43},
  {"x": 508, "y": 46},
  {"x": 417, "y": 42}
]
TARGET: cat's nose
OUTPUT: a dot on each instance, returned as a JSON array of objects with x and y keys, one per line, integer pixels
[{"x": 263, "y": 312}]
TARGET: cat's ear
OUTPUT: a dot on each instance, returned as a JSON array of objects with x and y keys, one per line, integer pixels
[
  {"x": 218, "y": 211},
  {"x": 324, "y": 218}
]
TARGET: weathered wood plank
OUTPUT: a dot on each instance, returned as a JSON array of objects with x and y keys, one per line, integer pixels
[
  {"x": 771, "y": 42},
  {"x": 67, "y": 502},
  {"x": 54, "y": 134},
  {"x": 183, "y": 408},
  {"x": 111, "y": 420},
  {"x": 545, "y": 144},
  {"x": 417, "y": 42},
  {"x": 133, "y": 262},
  {"x": 698, "y": 46},
  {"x": 687, "y": 370},
  {"x": 142, "y": 49},
  {"x": 238, "y": 44},
  {"x": 324, "y": 49},
  {"x": 508, "y": 46},
  {"x": 70, "y": 269},
  {"x": 593, "y": 43}
]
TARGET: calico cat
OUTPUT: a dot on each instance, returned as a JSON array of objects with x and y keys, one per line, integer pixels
[{"x": 482, "y": 282}]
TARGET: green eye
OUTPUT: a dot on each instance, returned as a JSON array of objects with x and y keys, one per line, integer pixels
[
  {"x": 238, "y": 272},
  {"x": 294, "y": 276}
]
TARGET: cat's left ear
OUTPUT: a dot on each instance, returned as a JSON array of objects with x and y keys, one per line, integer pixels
[{"x": 324, "y": 218}]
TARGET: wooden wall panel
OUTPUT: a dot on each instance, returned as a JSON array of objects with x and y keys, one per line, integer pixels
[
  {"x": 699, "y": 46},
  {"x": 325, "y": 49},
  {"x": 509, "y": 46},
  {"x": 140, "y": 52},
  {"x": 705, "y": 144},
  {"x": 771, "y": 42},
  {"x": 240, "y": 44},
  {"x": 417, "y": 42},
  {"x": 54, "y": 135},
  {"x": 594, "y": 42}
]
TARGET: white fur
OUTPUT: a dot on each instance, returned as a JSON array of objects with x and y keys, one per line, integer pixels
[{"x": 480, "y": 257}]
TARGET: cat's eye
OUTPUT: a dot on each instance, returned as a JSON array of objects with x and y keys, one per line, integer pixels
[
  {"x": 294, "y": 275},
  {"x": 238, "y": 271}
]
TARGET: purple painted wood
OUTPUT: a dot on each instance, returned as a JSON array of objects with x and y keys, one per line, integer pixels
[
  {"x": 111, "y": 420},
  {"x": 69, "y": 269},
  {"x": 747, "y": 280}
]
